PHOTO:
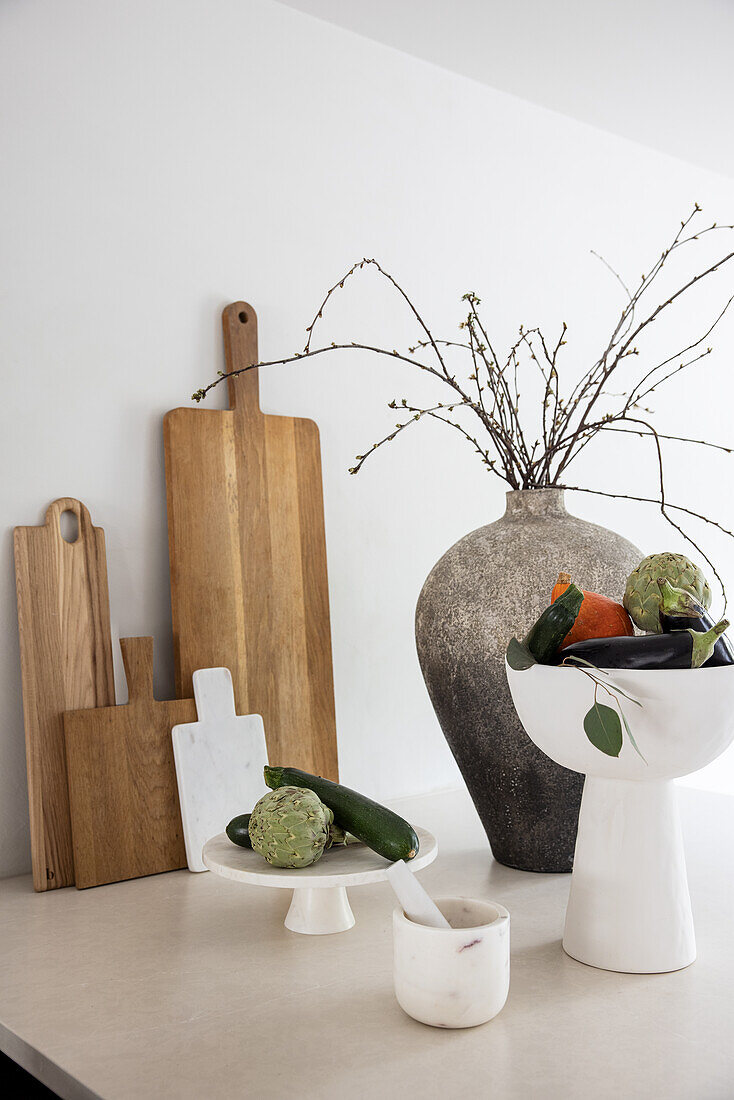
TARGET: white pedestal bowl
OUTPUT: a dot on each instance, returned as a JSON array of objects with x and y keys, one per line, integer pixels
[{"x": 629, "y": 908}]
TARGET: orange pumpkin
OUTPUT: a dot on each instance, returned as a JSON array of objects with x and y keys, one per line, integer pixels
[{"x": 599, "y": 616}]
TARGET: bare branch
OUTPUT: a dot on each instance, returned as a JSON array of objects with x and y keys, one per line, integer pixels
[{"x": 561, "y": 426}]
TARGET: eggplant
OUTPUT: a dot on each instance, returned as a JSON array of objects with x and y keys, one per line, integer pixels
[
  {"x": 679, "y": 610},
  {"x": 682, "y": 649}
]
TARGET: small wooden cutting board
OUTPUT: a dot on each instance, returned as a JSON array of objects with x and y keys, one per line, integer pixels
[
  {"x": 66, "y": 662},
  {"x": 249, "y": 588},
  {"x": 125, "y": 815}
]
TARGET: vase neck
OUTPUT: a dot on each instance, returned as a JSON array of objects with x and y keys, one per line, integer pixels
[{"x": 535, "y": 502}]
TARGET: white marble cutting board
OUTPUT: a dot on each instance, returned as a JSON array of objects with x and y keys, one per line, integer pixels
[{"x": 219, "y": 762}]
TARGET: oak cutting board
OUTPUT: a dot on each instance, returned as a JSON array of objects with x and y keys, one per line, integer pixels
[
  {"x": 66, "y": 662},
  {"x": 125, "y": 815},
  {"x": 249, "y": 587}
]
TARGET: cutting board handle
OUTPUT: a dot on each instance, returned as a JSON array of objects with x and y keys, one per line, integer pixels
[
  {"x": 55, "y": 511},
  {"x": 239, "y": 324},
  {"x": 214, "y": 694},
  {"x": 137, "y": 657}
]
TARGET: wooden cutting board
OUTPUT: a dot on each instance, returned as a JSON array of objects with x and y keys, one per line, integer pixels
[
  {"x": 249, "y": 588},
  {"x": 66, "y": 662},
  {"x": 219, "y": 762},
  {"x": 125, "y": 815}
]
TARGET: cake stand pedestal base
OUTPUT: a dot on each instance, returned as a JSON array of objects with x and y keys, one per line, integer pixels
[
  {"x": 320, "y": 912},
  {"x": 629, "y": 908}
]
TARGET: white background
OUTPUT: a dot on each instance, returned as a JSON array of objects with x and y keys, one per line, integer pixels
[
  {"x": 657, "y": 71},
  {"x": 160, "y": 159}
]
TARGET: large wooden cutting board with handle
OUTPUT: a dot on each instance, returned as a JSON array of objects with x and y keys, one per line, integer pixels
[
  {"x": 66, "y": 662},
  {"x": 125, "y": 814},
  {"x": 249, "y": 587}
]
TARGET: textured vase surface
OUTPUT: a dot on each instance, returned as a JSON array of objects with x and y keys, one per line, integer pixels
[{"x": 492, "y": 584}]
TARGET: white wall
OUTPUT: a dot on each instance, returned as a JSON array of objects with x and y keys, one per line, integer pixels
[
  {"x": 162, "y": 158},
  {"x": 656, "y": 71}
]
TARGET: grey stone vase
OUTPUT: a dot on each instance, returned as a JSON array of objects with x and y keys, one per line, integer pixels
[{"x": 490, "y": 585}]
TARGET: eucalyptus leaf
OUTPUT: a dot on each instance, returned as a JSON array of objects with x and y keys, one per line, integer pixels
[
  {"x": 519, "y": 656},
  {"x": 620, "y": 691},
  {"x": 633, "y": 743},
  {"x": 604, "y": 729}
]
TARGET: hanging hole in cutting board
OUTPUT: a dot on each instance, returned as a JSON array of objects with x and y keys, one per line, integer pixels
[
  {"x": 69, "y": 526},
  {"x": 243, "y": 317}
]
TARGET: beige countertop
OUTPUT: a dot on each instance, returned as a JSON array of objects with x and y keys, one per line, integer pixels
[{"x": 188, "y": 986}]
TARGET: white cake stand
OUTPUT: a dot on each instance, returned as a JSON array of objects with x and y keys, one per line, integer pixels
[{"x": 320, "y": 904}]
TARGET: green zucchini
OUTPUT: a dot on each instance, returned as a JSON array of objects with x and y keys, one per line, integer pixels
[
  {"x": 380, "y": 829},
  {"x": 238, "y": 831},
  {"x": 547, "y": 632}
]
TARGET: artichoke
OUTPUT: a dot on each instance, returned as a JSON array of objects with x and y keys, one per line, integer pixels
[
  {"x": 290, "y": 827},
  {"x": 642, "y": 591}
]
